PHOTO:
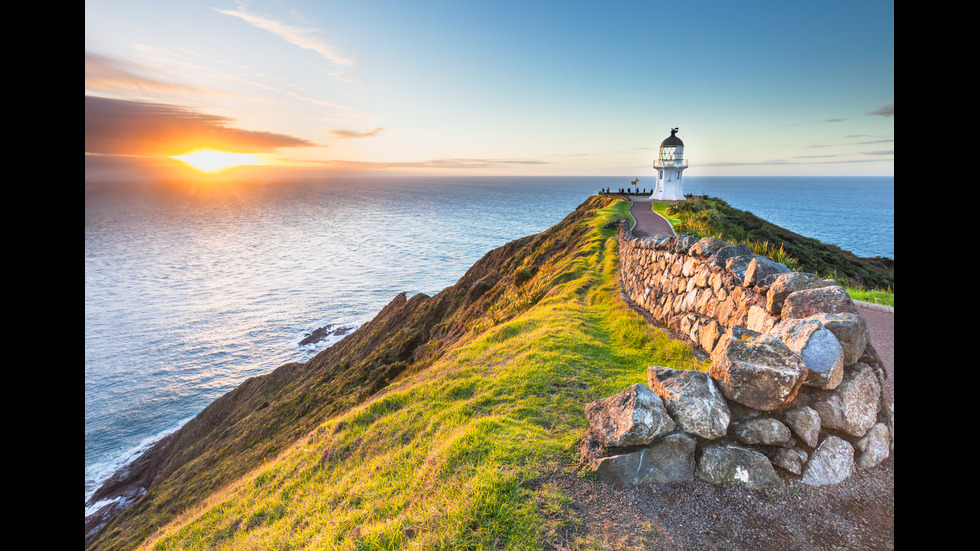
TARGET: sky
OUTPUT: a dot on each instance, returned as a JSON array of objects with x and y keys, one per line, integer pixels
[{"x": 530, "y": 87}]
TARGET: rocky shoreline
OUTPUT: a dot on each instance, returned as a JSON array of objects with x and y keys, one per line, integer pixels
[{"x": 327, "y": 330}]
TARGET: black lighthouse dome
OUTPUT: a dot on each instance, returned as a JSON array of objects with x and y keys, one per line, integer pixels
[{"x": 672, "y": 140}]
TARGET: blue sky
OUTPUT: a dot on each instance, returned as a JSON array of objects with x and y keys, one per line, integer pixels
[{"x": 475, "y": 87}]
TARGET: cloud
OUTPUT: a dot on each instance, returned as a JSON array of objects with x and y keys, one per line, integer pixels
[
  {"x": 106, "y": 74},
  {"x": 120, "y": 127},
  {"x": 783, "y": 162},
  {"x": 885, "y": 111},
  {"x": 298, "y": 36},
  {"x": 347, "y": 134},
  {"x": 442, "y": 163}
]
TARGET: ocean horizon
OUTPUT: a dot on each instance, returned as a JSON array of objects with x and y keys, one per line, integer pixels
[{"x": 189, "y": 294}]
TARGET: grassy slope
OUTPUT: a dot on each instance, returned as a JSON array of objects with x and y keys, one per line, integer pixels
[{"x": 452, "y": 454}]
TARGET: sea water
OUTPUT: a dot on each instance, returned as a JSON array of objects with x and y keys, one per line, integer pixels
[{"x": 189, "y": 292}]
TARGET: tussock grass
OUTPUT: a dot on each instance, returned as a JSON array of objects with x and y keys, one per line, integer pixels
[{"x": 454, "y": 456}]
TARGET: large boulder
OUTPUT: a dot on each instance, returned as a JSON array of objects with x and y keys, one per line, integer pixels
[
  {"x": 670, "y": 459},
  {"x": 692, "y": 399},
  {"x": 729, "y": 464},
  {"x": 819, "y": 348},
  {"x": 785, "y": 284},
  {"x": 833, "y": 299},
  {"x": 636, "y": 416},
  {"x": 757, "y": 370},
  {"x": 830, "y": 463},
  {"x": 851, "y": 331},
  {"x": 853, "y": 406}
]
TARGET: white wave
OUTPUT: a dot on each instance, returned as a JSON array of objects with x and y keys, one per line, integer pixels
[{"x": 102, "y": 471}]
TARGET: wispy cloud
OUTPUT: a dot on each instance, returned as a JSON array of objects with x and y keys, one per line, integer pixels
[
  {"x": 620, "y": 152},
  {"x": 779, "y": 162},
  {"x": 347, "y": 134},
  {"x": 105, "y": 74},
  {"x": 885, "y": 111},
  {"x": 441, "y": 163},
  {"x": 302, "y": 37},
  {"x": 119, "y": 127}
]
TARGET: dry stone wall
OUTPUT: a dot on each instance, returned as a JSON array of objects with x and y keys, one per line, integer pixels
[{"x": 794, "y": 383}]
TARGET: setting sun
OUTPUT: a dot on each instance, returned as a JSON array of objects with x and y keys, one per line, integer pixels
[{"x": 209, "y": 160}]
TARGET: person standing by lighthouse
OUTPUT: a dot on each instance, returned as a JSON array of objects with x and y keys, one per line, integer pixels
[{"x": 670, "y": 164}]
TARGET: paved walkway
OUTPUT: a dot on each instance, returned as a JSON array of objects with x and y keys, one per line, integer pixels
[
  {"x": 648, "y": 222},
  {"x": 881, "y": 321}
]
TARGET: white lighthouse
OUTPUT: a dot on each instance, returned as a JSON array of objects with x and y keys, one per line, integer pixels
[{"x": 670, "y": 164}]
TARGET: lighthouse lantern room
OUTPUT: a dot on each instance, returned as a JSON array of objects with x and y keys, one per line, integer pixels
[{"x": 670, "y": 164}]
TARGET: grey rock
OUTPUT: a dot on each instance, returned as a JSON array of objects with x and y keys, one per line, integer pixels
[
  {"x": 760, "y": 267},
  {"x": 670, "y": 459},
  {"x": 805, "y": 423},
  {"x": 760, "y": 371},
  {"x": 721, "y": 256},
  {"x": 692, "y": 400},
  {"x": 635, "y": 416},
  {"x": 706, "y": 246},
  {"x": 728, "y": 464},
  {"x": 819, "y": 348},
  {"x": 739, "y": 265},
  {"x": 785, "y": 284},
  {"x": 831, "y": 299},
  {"x": 851, "y": 331},
  {"x": 791, "y": 459},
  {"x": 830, "y": 463},
  {"x": 684, "y": 242},
  {"x": 853, "y": 406},
  {"x": 873, "y": 446},
  {"x": 764, "y": 431},
  {"x": 890, "y": 419}
]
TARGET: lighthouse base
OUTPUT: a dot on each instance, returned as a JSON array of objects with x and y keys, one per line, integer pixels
[{"x": 667, "y": 193}]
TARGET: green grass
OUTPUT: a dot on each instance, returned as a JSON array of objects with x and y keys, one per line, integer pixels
[
  {"x": 876, "y": 296},
  {"x": 661, "y": 209},
  {"x": 456, "y": 455}
]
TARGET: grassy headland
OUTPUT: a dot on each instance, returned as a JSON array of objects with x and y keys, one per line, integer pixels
[
  {"x": 451, "y": 451},
  {"x": 434, "y": 426},
  {"x": 868, "y": 279}
]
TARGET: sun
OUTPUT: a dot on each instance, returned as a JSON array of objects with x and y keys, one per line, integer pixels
[{"x": 210, "y": 160}]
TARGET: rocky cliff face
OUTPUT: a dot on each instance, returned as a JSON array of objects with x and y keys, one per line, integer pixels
[{"x": 266, "y": 413}]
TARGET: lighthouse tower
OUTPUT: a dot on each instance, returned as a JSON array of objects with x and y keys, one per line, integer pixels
[{"x": 670, "y": 164}]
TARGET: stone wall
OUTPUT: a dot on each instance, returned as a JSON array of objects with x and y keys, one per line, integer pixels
[{"x": 794, "y": 382}]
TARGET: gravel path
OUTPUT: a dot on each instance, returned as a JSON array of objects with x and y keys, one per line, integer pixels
[{"x": 648, "y": 222}]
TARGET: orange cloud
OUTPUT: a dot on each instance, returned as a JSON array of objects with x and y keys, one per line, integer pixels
[
  {"x": 120, "y": 127},
  {"x": 345, "y": 134}
]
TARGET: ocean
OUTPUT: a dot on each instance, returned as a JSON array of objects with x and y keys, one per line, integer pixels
[{"x": 187, "y": 294}]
